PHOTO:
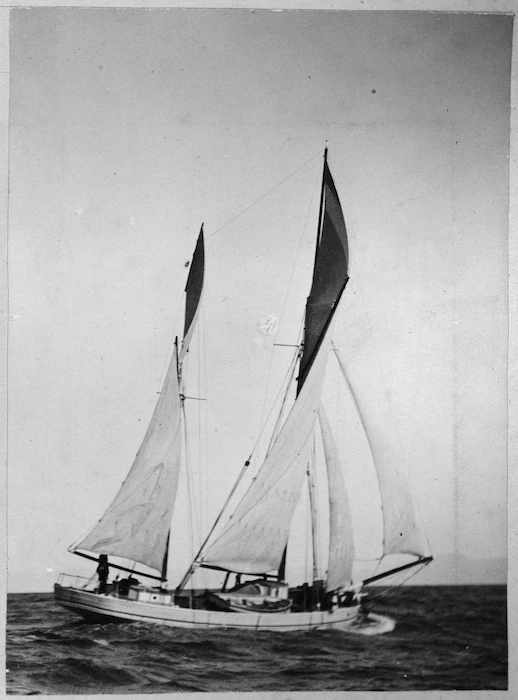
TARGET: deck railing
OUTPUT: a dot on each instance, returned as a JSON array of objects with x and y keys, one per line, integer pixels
[{"x": 73, "y": 581}]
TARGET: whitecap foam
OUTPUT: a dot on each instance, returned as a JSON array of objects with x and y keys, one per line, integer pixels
[{"x": 372, "y": 624}]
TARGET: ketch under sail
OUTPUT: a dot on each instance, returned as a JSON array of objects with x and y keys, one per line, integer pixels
[{"x": 253, "y": 540}]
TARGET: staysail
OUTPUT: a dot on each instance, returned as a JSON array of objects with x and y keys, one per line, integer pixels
[
  {"x": 341, "y": 541},
  {"x": 402, "y": 532},
  {"x": 254, "y": 538},
  {"x": 136, "y": 524}
]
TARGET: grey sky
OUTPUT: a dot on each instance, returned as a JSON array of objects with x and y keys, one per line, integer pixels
[{"x": 130, "y": 127}]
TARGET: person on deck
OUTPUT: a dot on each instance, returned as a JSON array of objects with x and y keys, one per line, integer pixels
[
  {"x": 102, "y": 571},
  {"x": 125, "y": 583}
]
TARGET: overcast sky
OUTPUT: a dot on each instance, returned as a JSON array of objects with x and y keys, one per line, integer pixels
[{"x": 128, "y": 128}]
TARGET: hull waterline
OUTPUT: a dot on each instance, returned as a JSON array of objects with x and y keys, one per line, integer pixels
[{"x": 106, "y": 608}]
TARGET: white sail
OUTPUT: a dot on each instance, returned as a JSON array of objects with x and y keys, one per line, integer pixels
[
  {"x": 402, "y": 532},
  {"x": 341, "y": 541},
  {"x": 136, "y": 524},
  {"x": 254, "y": 539}
]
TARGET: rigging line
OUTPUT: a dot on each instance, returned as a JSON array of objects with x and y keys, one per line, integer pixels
[
  {"x": 290, "y": 370},
  {"x": 199, "y": 412},
  {"x": 362, "y": 423},
  {"x": 288, "y": 287},
  {"x": 312, "y": 500},
  {"x": 242, "y": 472},
  {"x": 390, "y": 590},
  {"x": 232, "y": 523},
  {"x": 202, "y": 432},
  {"x": 287, "y": 381},
  {"x": 174, "y": 330},
  {"x": 192, "y": 508},
  {"x": 403, "y": 470},
  {"x": 262, "y": 197},
  {"x": 206, "y": 421},
  {"x": 380, "y": 366},
  {"x": 307, "y": 521},
  {"x": 378, "y": 559},
  {"x": 376, "y": 568},
  {"x": 195, "y": 559},
  {"x": 170, "y": 343}
]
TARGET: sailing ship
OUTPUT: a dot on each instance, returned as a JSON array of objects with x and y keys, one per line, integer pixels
[{"x": 248, "y": 548}]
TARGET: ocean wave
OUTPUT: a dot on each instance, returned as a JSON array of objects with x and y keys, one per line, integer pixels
[{"x": 406, "y": 641}]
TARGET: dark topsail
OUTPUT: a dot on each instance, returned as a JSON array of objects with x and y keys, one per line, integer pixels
[
  {"x": 329, "y": 273},
  {"x": 194, "y": 284},
  {"x": 193, "y": 290}
]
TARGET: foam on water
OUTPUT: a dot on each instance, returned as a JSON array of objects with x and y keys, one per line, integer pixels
[{"x": 372, "y": 624}]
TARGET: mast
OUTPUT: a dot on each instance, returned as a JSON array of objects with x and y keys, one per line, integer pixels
[
  {"x": 330, "y": 276},
  {"x": 320, "y": 209},
  {"x": 314, "y": 518},
  {"x": 253, "y": 541},
  {"x": 136, "y": 525},
  {"x": 166, "y": 558}
]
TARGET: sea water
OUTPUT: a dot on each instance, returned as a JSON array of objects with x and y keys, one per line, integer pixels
[{"x": 414, "y": 638}]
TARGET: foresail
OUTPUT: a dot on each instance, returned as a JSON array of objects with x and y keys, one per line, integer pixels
[
  {"x": 329, "y": 274},
  {"x": 193, "y": 290},
  {"x": 341, "y": 540},
  {"x": 254, "y": 538},
  {"x": 402, "y": 532},
  {"x": 136, "y": 524}
]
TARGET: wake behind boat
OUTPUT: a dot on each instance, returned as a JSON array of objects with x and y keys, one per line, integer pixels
[{"x": 252, "y": 543}]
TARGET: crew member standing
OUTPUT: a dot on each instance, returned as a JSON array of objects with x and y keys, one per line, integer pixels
[{"x": 103, "y": 571}]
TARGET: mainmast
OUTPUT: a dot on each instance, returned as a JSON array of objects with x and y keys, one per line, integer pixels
[
  {"x": 329, "y": 280},
  {"x": 254, "y": 538}
]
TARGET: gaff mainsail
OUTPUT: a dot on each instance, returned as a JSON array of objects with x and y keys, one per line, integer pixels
[{"x": 136, "y": 524}]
